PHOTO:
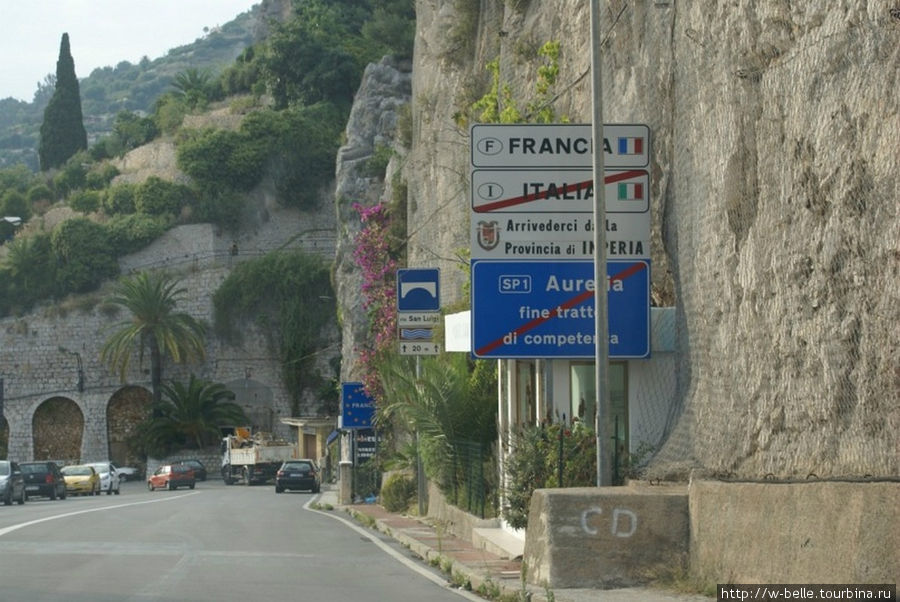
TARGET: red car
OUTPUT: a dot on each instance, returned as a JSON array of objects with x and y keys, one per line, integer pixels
[{"x": 171, "y": 476}]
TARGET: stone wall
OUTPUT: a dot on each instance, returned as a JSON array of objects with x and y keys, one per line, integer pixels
[{"x": 41, "y": 352}]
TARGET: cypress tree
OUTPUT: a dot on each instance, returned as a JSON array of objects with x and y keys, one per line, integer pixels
[{"x": 62, "y": 132}]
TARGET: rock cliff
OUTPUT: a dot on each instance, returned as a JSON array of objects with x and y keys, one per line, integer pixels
[{"x": 775, "y": 201}]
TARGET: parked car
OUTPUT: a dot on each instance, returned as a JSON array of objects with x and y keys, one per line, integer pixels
[
  {"x": 198, "y": 467},
  {"x": 171, "y": 476},
  {"x": 81, "y": 479},
  {"x": 43, "y": 479},
  {"x": 109, "y": 478},
  {"x": 12, "y": 483},
  {"x": 126, "y": 473},
  {"x": 297, "y": 474}
]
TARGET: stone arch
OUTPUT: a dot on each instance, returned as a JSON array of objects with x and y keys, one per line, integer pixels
[
  {"x": 128, "y": 407},
  {"x": 4, "y": 438},
  {"x": 57, "y": 429}
]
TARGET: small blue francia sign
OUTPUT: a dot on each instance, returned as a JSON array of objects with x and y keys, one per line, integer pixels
[{"x": 357, "y": 408}]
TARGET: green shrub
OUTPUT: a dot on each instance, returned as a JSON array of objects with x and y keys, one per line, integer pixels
[
  {"x": 376, "y": 165},
  {"x": 99, "y": 178},
  {"x": 397, "y": 492},
  {"x": 534, "y": 464},
  {"x": 130, "y": 233},
  {"x": 38, "y": 193},
  {"x": 86, "y": 201},
  {"x": 14, "y": 203},
  {"x": 223, "y": 208},
  {"x": 31, "y": 275},
  {"x": 301, "y": 146},
  {"x": 120, "y": 199},
  {"x": 73, "y": 174},
  {"x": 84, "y": 255},
  {"x": 156, "y": 196},
  {"x": 222, "y": 159},
  {"x": 169, "y": 112}
]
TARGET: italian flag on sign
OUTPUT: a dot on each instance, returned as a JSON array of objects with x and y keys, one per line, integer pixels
[{"x": 631, "y": 192}]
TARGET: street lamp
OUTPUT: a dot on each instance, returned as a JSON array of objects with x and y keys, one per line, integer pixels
[{"x": 80, "y": 384}]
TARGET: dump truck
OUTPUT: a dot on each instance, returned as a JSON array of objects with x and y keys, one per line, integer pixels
[{"x": 252, "y": 458}]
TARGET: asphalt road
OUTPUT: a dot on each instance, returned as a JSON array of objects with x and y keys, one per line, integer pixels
[{"x": 216, "y": 542}]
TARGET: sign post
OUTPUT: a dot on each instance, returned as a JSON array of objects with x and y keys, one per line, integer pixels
[
  {"x": 418, "y": 310},
  {"x": 601, "y": 362}
]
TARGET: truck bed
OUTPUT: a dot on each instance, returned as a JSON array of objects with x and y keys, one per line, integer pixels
[{"x": 261, "y": 454}]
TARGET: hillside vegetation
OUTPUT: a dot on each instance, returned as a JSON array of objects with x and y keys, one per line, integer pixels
[
  {"x": 295, "y": 89},
  {"x": 135, "y": 88}
]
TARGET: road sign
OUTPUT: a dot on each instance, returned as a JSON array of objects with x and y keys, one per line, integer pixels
[
  {"x": 423, "y": 319},
  {"x": 532, "y": 192},
  {"x": 566, "y": 145},
  {"x": 545, "y": 309},
  {"x": 557, "y": 191},
  {"x": 419, "y": 348},
  {"x": 357, "y": 408},
  {"x": 418, "y": 290},
  {"x": 564, "y": 237},
  {"x": 366, "y": 444}
]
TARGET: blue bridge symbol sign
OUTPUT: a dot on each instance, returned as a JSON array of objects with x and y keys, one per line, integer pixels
[{"x": 418, "y": 289}]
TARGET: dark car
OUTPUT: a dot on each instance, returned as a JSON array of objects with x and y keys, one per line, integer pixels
[
  {"x": 43, "y": 479},
  {"x": 297, "y": 474},
  {"x": 197, "y": 466},
  {"x": 12, "y": 484},
  {"x": 171, "y": 476}
]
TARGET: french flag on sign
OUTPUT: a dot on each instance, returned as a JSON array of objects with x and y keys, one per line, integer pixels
[
  {"x": 631, "y": 192},
  {"x": 631, "y": 146}
]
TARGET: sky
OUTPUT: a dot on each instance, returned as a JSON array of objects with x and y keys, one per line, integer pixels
[{"x": 101, "y": 33}]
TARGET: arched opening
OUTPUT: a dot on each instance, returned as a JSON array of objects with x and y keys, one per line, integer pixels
[
  {"x": 57, "y": 428},
  {"x": 127, "y": 408}
]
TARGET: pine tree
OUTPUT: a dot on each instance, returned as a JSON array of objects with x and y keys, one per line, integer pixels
[{"x": 62, "y": 132}]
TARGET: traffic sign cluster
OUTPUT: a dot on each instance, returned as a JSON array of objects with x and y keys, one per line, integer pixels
[
  {"x": 418, "y": 310},
  {"x": 532, "y": 195}
]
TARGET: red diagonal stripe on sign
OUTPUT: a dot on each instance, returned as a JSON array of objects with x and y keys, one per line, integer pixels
[
  {"x": 580, "y": 298},
  {"x": 537, "y": 196}
]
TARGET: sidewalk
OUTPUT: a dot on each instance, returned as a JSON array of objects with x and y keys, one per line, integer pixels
[{"x": 485, "y": 572}]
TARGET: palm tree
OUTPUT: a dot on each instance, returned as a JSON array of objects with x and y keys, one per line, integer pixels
[
  {"x": 154, "y": 325},
  {"x": 192, "y": 84},
  {"x": 189, "y": 416},
  {"x": 450, "y": 405}
]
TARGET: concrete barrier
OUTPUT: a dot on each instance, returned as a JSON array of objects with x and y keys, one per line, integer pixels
[
  {"x": 813, "y": 532},
  {"x": 603, "y": 537}
]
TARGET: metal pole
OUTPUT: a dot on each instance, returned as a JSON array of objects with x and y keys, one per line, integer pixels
[
  {"x": 420, "y": 467},
  {"x": 601, "y": 330}
]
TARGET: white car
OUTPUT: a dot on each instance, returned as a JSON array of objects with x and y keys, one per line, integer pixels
[
  {"x": 109, "y": 477},
  {"x": 126, "y": 473}
]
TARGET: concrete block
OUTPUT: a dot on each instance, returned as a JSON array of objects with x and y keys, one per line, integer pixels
[
  {"x": 603, "y": 537},
  {"x": 812, "y": 532}
]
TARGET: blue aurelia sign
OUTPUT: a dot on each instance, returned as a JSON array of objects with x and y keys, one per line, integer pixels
[{"x": 545, "y": 309}]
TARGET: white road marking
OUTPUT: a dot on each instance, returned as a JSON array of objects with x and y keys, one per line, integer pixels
[
  {"x": 410, "y": 564},
  {"x": 18, "y": 526}
]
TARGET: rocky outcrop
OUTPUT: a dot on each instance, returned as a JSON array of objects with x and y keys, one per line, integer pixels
[
  {"x": 385, "y": 88},
  {"x": 774, "y": 204}
]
